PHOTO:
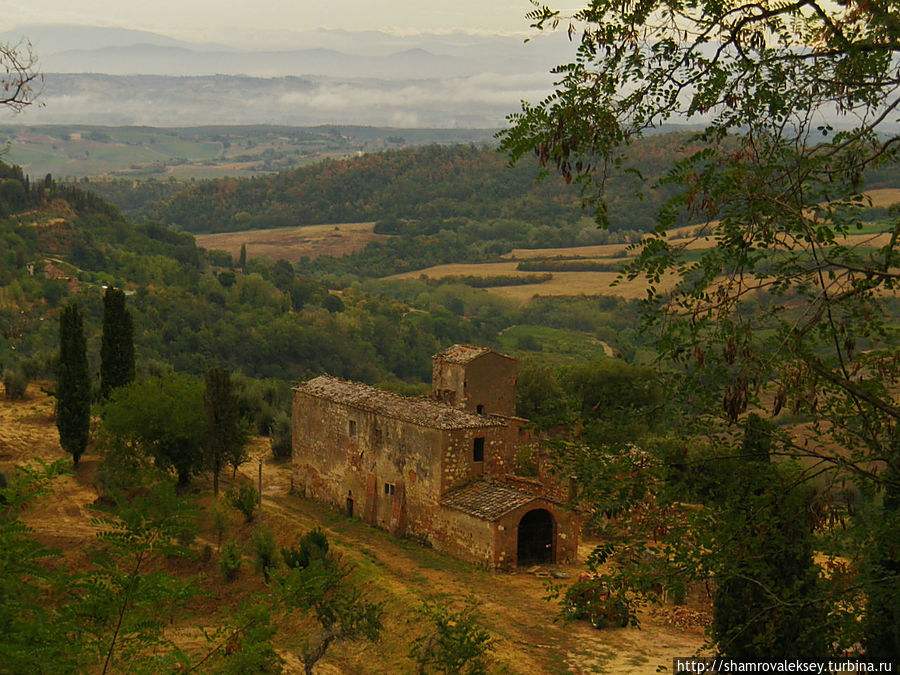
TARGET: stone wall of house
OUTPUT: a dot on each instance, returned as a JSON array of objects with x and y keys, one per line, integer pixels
[
  {"x": 459, "y": 465},
  {"x": 495, "y": 544},
  {"x": 488, "y": 381},
  {"x": 390, "y": 469},
  {"x": 463, "y": 536}
]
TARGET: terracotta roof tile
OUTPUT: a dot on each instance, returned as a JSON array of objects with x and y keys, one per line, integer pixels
[
  {"x": 484, "y": 499},
  {"x": 421, "y": 411}
]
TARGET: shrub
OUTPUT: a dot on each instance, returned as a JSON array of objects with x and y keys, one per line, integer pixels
[
  {"x": 333, "y": 304},
  {"x": 266, "y": 553},
  {"x": 244, "y": 498},
  {"x": 220, "y": 524},
  {"x": 281, "y": 436},
  {"x": 15, "y": 382},
  {"x": 311, "y": 546},
  {"x": 230, "y": 560},
  {"x": 457, "y": 643}
]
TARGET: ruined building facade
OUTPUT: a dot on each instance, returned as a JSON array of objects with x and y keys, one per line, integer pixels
[{"x": 438, "y": 469}]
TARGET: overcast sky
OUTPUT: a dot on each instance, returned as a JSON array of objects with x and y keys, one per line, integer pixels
[{"x": 215, "y": 20}]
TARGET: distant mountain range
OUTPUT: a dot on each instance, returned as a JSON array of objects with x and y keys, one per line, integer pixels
[
  {"x": 333, "y": 53},
  {"x": 96, "y": 75}
]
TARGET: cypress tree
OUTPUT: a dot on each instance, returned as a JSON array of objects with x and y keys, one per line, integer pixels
[
  {"x": 226, "y": 436},
  {"x": 73, "y": 384},
  {"x": 242, "y": 259},
  {"x": 767, "y": 603},
  {"x": 117, "y": 346}
]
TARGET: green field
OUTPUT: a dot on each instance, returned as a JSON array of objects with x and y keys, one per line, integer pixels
[
  {"x": 552, "y": 344},
  {"x": 76, "y": 151}
]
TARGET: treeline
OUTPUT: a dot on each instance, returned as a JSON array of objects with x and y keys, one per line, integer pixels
[
  {"x": 498, "y": 280},
  {"x": 19, "y": 193},
  {"x": 545, "y": 265},
  {"x": 133, "y": 197},
  {"x": 420, "y": 244},
  {"x": 433, "y": 182}
]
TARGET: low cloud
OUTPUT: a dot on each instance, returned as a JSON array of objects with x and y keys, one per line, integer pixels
[{"x": 482, "y": 100}]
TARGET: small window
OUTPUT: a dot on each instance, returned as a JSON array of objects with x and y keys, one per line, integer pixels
[
  {"x": 389, "y": 488},
  {"x": 352, "y": 428},
  {"x": 478, "y": 449},
  {"x": 479, "y": 409}
]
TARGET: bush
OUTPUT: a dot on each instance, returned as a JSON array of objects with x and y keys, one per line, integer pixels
[
  {"x": 457, "y": 643},
  {"x": 333, "y": 304},
  {"x": 281, "y": 436},
  {"x": 220, "y": 524},
  {"x": 230, "y": 561},
  {"x": 595, "y": 600},
  {"x": 15, "y": 382},
  {"x": 244, "y": 498},
  {"x": 266, "y": 554},
  {"x": 312, "y": 546}
]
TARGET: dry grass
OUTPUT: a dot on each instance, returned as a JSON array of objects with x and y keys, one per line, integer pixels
[
  {"x": 293, "y": 243},
  {"x": 597, "y": 251},
  {"x": 562, "y": 283}
]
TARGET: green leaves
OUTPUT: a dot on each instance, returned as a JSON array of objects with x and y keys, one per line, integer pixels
[
  {"x": 456, "y": 643},
  {"x": 161, "y": 417}
]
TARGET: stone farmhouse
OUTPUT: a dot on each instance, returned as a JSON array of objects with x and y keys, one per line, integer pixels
[{"x": 439, "y": 469}]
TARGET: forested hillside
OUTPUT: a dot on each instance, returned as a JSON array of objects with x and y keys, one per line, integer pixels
[
  {"x": 431, "y": 183},
  {"x": 194, "y": 309}
]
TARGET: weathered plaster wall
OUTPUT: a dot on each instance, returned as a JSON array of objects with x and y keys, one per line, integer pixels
[
  {"x": 331, "y": 463},
  {"x": 463, "y": 536},
  {"x": 490, "y": 381}
]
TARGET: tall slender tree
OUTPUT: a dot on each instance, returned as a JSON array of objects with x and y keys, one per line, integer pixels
[
  {"x": 73, "y": 384},
  {"x": 117, "y": 346},
  {"x": 226, "y": 435},
  {"x": 242, "y": 258}
]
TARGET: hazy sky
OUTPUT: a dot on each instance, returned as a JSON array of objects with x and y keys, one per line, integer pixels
[{"x": 213, "y": 20}]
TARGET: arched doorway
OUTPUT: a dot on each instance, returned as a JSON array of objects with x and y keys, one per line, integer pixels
[{"x": 536, "y": 544}]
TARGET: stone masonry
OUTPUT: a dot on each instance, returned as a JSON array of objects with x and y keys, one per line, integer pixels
[{"x": 438, "y": 469}]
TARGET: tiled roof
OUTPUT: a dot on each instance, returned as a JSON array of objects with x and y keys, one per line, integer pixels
[
  {"x": 484, "y": 499},
  {"x": 462, "y": 353},
  {"x": 421, "y": 411}
]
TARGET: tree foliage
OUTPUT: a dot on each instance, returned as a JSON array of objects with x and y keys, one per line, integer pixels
[
  {"x": 786, "y": 310},
  {"x": 161, "y": 418},
  {"x": 125, "y": 600},
  {"x": 457, "y": 642},
  {"x": 31, "y": 639},
  {"x": 325, "y": 592},
  {"x": 226, "y": 431},
  {"x": 73, "y": 384},
  {"x": 117, "y": 343}
]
